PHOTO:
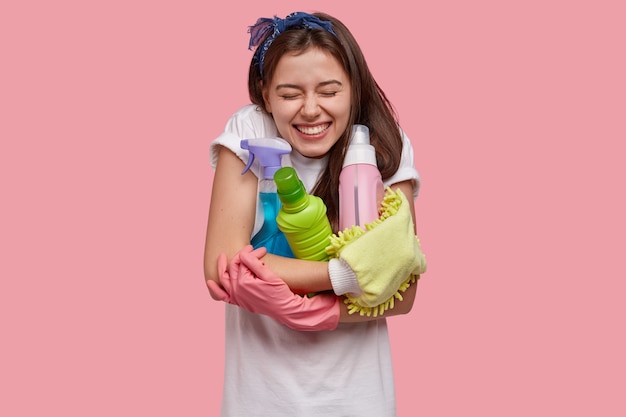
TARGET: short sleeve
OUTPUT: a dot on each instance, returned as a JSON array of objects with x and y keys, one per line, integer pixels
[
  {"x": 406, "y": 171},
  {"x": 247, "y": 123}
]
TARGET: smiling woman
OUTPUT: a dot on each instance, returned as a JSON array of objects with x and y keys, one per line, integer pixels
[
  {"x": 309, "y": 99},
  {"x": 288, "y": 354}
]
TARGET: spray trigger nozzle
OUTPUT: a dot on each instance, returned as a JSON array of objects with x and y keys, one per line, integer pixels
[
  {"x": 244, "y": 145},
  {"x": 269, "y": 152}
]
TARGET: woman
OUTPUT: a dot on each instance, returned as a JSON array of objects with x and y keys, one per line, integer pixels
[{"x": 287, "y": 354}]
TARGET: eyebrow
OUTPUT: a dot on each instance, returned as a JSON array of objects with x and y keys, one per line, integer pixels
[{"x": 322, "y": 84}]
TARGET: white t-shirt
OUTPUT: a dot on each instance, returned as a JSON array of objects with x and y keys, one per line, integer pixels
[{"x": 271, "y": 370}]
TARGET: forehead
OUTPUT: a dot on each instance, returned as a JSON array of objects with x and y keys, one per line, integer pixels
[{"x": 309, "y": 64}]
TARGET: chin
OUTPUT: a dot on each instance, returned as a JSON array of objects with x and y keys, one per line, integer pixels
[{"x": 313, "y": 151}]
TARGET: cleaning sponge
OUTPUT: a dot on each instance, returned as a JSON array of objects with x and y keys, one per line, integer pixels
[{"x": 386, "y": 258}]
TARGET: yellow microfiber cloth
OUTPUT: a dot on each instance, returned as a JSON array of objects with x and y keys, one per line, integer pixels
[{"x": 386, "y": 258}]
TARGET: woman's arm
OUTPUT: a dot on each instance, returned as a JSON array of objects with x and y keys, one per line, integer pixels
[
  {"x": 231, "y": 212},
  {"x": 230, "y": 224},
  {"x": 231, "y": 221},
  {"x": 400, "y": 307},
  {"x": 313, "y": 276},
  {"x": 301, "y": 276}
]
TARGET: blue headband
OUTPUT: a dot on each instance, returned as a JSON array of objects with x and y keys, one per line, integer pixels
[{"x": 276, "y": 26}]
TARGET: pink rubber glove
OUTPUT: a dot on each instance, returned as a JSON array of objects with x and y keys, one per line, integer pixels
[
  {"x": 253, "y": 286},
  {"x": 222, "y": 293}
]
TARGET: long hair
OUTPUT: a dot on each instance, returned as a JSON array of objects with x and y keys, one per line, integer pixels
[{"x": 369, "y": 106}]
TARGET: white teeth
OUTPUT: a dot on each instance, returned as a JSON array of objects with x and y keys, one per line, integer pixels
[{"x": 313, "y": 130}]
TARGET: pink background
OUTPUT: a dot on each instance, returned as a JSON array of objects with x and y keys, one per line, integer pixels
[{"x": 517, "y": 115}]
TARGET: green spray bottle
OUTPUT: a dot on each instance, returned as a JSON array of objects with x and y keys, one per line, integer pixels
[{"x": 302, "y": 217}]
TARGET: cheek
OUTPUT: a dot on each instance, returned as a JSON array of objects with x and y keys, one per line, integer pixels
[
  {"x": 285, "y": 110},
  {"x": 282, "y": 120},
  {"x": 342, "y": 107},
  {"x": 342, "y": 113}
]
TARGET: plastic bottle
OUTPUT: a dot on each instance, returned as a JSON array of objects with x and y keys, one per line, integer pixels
[
  {"x": 302, "y": 217},
  {"x": 268, "y": 151},
  {"x": 361, "y": 187}
]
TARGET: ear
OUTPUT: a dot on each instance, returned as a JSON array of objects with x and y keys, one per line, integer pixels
[{"x": 266, "y": 101}]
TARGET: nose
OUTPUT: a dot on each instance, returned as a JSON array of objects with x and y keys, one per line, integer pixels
[{"x": 310, "y": 107}]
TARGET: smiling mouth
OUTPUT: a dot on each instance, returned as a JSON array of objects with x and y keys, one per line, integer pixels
[{"x": 312, "y": 130}]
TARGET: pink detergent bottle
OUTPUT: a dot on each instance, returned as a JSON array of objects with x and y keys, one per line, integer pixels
[{"x": 361, "y": 188}]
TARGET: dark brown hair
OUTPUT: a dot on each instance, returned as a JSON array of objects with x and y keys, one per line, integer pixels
[{"x": 369, "y": 107}]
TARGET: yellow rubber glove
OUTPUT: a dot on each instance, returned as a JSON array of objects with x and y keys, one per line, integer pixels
[{"x": 386, "y": 258}]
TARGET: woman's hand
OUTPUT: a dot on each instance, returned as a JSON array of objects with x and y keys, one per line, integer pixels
[
  {"x": 248, "y": 283},
  {"x": 384, "y": 259},
  {"x": 222, "y": 292}
]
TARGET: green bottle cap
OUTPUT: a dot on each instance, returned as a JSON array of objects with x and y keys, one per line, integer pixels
[{"x": 289, "y": 187}]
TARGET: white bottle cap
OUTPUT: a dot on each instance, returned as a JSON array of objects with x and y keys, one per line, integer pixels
[{"x": 360, "y": 151}]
